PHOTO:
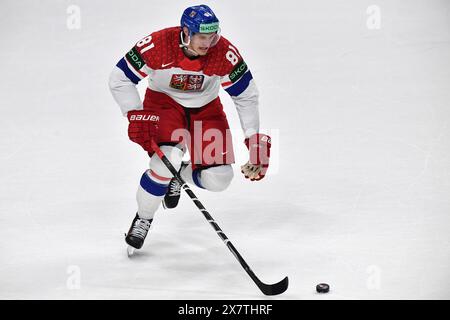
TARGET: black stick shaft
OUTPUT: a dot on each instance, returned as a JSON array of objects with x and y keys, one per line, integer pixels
[{"x": 205, "y": 213}]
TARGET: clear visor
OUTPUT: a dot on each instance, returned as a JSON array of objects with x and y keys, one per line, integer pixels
[
  {"x": 216, "y": 38},
  {"x": 210, "y": 41}
]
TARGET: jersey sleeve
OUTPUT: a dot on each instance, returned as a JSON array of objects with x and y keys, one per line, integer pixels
[
  {"x": 127, "y": 73},
  {"x": 240, "y": 85},
  {"x": 133, "y": 64}
]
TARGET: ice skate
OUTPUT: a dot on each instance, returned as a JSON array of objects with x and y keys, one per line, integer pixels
[
  {"x": 173, "y": 195},
  {"x": 137, "y": 233}
]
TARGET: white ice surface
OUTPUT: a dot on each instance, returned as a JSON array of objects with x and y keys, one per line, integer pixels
[{"x": 359, "y": 195}]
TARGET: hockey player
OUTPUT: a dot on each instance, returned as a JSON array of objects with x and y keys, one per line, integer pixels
[{"x": 185, "y": 66}]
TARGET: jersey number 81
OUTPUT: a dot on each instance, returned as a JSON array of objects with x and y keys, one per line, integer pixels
[
  {"x": 232, "y": 55},
  {"x": 144, "y": 43}
]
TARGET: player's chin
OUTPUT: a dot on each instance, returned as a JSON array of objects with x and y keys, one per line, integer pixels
[{"x": 202, "y": 51}]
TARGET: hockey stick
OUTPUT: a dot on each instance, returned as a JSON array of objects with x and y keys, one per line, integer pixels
[{"x": 267, "y": 289}]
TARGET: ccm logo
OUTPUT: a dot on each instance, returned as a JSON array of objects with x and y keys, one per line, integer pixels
[
  {"x": 147, "y": 117},
  {"x": 265, "y": 139}
]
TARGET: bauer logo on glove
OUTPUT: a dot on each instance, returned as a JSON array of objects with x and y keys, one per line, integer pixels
[
  {"x": 143, "y": 127},
  {"x": 143, "y": 117},
  {"x": 258, "y": 146}
]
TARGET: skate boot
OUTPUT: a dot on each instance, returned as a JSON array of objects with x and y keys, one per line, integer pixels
[
  {"x": 138, "y": 231},
  {"x": 172, "y": 196}
]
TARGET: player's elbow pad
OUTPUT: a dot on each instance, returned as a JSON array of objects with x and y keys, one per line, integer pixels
[
  {"x": 115, "y": 79},
  {"x": 249, "y": 95}
]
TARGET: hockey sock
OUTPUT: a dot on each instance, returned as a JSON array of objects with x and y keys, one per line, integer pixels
[{"x": 150, "y": 192}]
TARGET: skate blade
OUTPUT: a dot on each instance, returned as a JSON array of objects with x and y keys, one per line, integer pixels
[{"x": 130, "y": 251}]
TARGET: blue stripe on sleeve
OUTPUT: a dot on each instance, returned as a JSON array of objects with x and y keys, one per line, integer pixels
[
  {"x": 240, "y": 86},
  {"x": 122, "y": 64}
]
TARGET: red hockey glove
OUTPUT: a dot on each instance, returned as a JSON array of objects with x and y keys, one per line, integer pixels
[
  {"x": 259, "y": 148},
  {"x": 142, "y": 128}
]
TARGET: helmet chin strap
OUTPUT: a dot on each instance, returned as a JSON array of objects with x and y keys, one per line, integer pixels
[{"x": 185, "y": 45}]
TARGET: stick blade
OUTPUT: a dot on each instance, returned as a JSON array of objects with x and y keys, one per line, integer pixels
[
  {"x": 130, "y": 251},
  {"x": 274, "y": 289}
]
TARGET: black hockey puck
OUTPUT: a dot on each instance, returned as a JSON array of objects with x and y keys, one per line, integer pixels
[{"x": 322, "y": 288}]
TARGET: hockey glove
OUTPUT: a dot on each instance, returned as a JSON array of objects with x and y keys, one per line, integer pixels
[
  {"x": 258, "y": 146},
  {"x": 142, "y": 128}
]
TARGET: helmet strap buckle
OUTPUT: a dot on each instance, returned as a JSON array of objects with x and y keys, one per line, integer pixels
[{"x": 185, "y": 45}]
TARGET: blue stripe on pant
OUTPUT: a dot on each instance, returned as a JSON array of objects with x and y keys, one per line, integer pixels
[
  {"x": 196, "y": 178},
  {"x": 153, "y": 187}
]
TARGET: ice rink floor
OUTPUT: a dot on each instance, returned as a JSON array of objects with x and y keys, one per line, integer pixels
[{"x": 356, "y": 95}]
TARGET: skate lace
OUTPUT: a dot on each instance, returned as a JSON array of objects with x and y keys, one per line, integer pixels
[
  {"x": 174, "y": 188},
  {"x": 140, "y": 228}
]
